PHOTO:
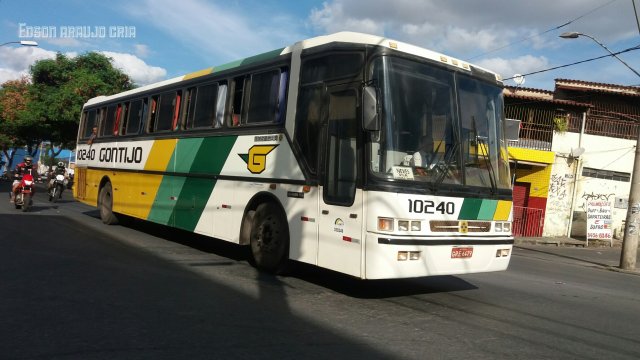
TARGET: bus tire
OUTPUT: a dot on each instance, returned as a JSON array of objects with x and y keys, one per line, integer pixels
[
  {"x": 269, "y": 239},
  {"x": 105, "y": 205}
]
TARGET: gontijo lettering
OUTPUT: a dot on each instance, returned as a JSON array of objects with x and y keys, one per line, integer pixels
[{"x": 121, "y": 155}]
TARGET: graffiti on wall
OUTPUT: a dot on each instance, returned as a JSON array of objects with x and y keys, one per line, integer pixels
[
  {"x": 558, "y": 187},
  {"x": 596, "y": 196}
]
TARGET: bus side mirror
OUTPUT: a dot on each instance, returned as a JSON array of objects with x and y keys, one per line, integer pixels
[{"x": 370, "y": 118}]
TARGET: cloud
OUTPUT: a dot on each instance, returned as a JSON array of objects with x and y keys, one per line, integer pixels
[
  {"x": 456, "y": 25},
  {"x": 218, "y": 32},
  {"x": 15, "y": 63},
  {"x": 332, "y": 18},
  {"x": 142, "y": 50},
  {"x": 509, "y": 67},
  {"x": 140, "y": 72}
]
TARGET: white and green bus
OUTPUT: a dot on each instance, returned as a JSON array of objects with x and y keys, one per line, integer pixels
[{"x": 308, "y": 153}]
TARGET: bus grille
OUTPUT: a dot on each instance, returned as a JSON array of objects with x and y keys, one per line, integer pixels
[{"x": 463, "y": 226}]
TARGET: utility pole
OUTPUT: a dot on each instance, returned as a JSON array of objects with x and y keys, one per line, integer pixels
[{"x": 632, "y": 225}]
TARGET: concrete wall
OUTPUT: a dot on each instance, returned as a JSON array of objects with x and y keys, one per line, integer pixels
[
  {"x": 601, "y": 152},
  {"x": 561, "y": 184}
]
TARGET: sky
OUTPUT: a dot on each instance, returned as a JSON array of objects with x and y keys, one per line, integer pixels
[{"x": 154, "y": 40}]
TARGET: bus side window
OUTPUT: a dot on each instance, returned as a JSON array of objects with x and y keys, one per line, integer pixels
[
  {"x": 282, "y": 97},
  {"x": 239, "y": 100},
  {"x": 220, "y": 102},
  {"x": 100, "y": 120},
  {"x": 176, "y": 110},
  {"x": 167, "y": 109},
  {"x": 189, "y": 106},
  {"x": 88, "y": 123},
  {"x": 204, "y": 107},
  {"x": 122, "y": 128},
  {"x": 153, "y": 113},
  {"x": 308, "y": 123},
  {"x": 109, "y": 121},
  {"x": 263, "y": 97},
  {"x": 116, "y": 125},
  {"x": 134, "y": 117}
]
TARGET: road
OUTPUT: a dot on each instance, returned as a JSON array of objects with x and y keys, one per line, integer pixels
[{"x": 73, "y": 288}]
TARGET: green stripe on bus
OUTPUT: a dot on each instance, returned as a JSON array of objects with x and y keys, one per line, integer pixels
[
  {"x": 470, "y": 209},
  {"x": 212, "y": 154},
  {"x": 180, "y": 200},
  {"x": 209, "y": 158},
  {"x": 165, "y": 201},
  {"x": 487, "y": 209},
  {"x": 249, "y": 60},
  {"x": 192, "y": 202},
  {"x": 184, "y": 154}
]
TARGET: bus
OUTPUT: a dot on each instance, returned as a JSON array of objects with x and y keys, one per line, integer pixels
[{"x": 308, "y": 154}]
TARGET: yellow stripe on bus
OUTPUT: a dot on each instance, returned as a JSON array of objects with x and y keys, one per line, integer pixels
[
  {"x": 160, "y": 154},
  {"x": 198, "y": 73},
  {"x": 502, "y": 210}
]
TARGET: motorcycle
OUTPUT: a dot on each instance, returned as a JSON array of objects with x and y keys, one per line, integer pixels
[
  {"x": 25, "y": 191},
  {"x": 55, "y": 192}
]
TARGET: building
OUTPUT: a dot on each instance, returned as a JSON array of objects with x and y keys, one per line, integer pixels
[{"x": 576, "y": 143}]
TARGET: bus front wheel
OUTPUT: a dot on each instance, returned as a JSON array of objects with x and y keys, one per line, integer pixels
[
  {"x": 105, "y": 205},
  {"x": 269, "y": 239}
]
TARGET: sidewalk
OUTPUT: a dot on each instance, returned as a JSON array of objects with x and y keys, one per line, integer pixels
[
  {"x": 566, "y": 241},
  {"x": 599, "y": 253}
]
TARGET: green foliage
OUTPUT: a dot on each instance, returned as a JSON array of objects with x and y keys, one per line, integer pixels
[
  {"x": 58, "y": 91},
  {"x": 13, "y": 99},
  {"x": 560, "y": 124}
]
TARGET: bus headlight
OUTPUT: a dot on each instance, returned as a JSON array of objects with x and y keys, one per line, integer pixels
[
  {"x": 416, "y": 226},
  {"x": 502, "y": 253},
  {"x": 503, "y": 226},
  {"x": 403, "y": 225},
  {"x": 385, "y": 224}
]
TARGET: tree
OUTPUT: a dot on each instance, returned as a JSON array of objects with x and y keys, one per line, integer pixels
[
  {"x": 14, "y": 97},
  {"x": 58, "y": 91}
]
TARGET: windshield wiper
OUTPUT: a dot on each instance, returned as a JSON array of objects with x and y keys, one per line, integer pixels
[
  {"x": 442, "y": 167},
  {"x": 489, "y": 166}
]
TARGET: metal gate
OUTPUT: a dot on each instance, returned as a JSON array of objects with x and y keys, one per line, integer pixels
[{"x": 527, "y": 221}]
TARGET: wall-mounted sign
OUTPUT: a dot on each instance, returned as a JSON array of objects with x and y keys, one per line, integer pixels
[{"x": 599, "y": 220}]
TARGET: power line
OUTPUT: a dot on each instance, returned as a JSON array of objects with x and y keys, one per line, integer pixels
[
  {"x": 542, "y": 33},
  {"x": 636, "y": 13},
  {"x": 578, "y": 62}
]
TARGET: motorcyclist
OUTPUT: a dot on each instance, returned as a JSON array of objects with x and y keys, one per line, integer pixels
[
  {"x": 25, "y": 167},
  {"x": 60, "y": 170}
]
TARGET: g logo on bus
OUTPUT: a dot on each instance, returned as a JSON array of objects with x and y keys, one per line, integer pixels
[
  {"x": 256, "y": 159},
  {"x": 464, "y": 226}
]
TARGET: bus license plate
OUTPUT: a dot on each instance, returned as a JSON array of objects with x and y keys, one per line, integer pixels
[{"x": 461, "y": 252}]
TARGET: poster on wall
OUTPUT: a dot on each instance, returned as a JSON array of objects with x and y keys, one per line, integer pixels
[{"x": 599, "y": 220}]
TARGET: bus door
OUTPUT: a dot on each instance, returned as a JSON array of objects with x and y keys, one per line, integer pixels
[{"x": 340, "y": 226}]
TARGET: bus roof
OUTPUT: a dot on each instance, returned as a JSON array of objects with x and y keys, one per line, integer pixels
[{"x": 344, "y": 37}]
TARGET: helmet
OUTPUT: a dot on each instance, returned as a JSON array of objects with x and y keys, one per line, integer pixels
[
  {"x": 28, "y": 159},
  {"x": 61, "y": 164}
]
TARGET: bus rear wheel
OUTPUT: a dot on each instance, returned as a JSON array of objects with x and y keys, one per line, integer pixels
[
  {"x": 269, "y": 239},
  {"x": 105, "y": 205}
]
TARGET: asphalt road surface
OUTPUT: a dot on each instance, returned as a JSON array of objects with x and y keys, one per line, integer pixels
[{"x": 73, "y": 288}]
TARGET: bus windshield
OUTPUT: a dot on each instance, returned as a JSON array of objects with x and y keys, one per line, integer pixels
[{"x": 438, "y": 127}]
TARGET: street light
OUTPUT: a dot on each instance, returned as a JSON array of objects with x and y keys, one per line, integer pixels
[
  {"x": 575, "y": 34},
  {"x": 632, "y": 223},
  {"x": 22, "y": 42}
]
